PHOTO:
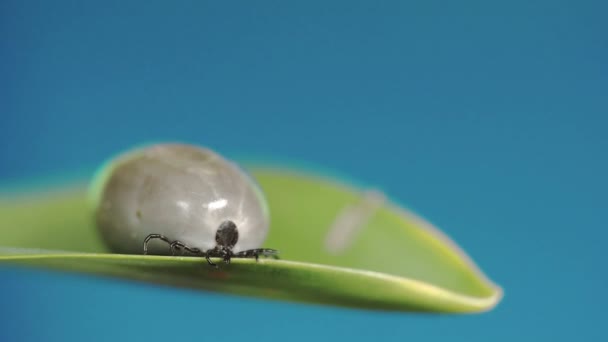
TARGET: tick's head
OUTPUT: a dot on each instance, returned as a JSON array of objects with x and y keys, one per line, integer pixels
[{"x": 227, "y": 235}]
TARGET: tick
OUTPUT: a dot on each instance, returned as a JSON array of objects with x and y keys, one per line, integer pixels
[{"x": 188, "y": 196}]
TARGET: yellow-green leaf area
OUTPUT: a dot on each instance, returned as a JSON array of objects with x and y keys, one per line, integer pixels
[{"x": 393, "y": 260}]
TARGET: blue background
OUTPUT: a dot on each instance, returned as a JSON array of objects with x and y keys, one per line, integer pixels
[{"x": 487, "y": 118}]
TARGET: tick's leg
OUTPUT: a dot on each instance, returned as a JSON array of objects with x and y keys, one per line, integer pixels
[
  {"x": 192, "y": 250},
  {"x": 227, "y": 256},
  {"x": 174, "y": 245},
  {"x": 179, "y": 245},
  {"x": 155, "y": 236},
  {"x": 207, "y": 256},
  {"x": 256, "y": 253}
]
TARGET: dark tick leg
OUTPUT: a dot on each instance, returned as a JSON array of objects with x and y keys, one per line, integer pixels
[
  {"x": 256, "y": 253},
  {"x": 207, "y": 257},
  {"x": 176, "y": 245},
  {"x": 154, "y": 236},
  {"x": 179, "y": 245},
  {"x": 172, "y": 244}
]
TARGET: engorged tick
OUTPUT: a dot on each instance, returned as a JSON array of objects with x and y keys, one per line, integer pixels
[{"x": 188, "y": 196}]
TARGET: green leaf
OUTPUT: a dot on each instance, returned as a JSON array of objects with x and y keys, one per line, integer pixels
[{"x": 389, "y": 260}]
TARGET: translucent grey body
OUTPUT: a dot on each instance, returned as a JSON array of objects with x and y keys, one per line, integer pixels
[{"x": 183, "y": 192}]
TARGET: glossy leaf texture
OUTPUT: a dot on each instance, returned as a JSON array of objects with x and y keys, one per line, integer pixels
[{"x": 381, "y": 256}]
